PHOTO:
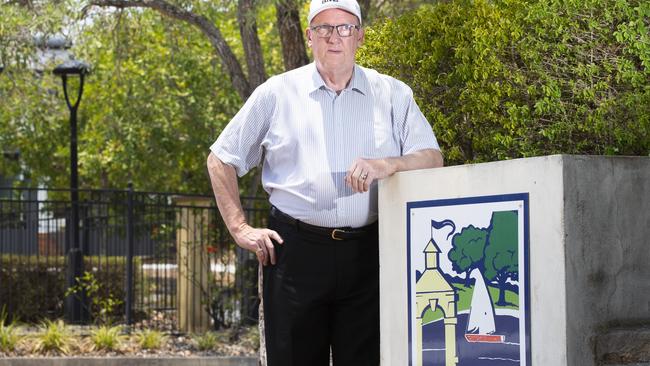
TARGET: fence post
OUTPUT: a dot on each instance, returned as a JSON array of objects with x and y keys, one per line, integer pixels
[
  {"x": 129, "y": 256},
  {"x": 193, "y": 264}
]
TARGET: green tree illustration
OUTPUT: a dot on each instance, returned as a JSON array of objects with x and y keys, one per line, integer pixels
[
  {"x": 467, "y": 251},
  {"x": 501, "y": 251}
]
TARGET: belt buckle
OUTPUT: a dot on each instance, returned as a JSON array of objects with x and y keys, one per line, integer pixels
[{"x": 334, "y": 234}]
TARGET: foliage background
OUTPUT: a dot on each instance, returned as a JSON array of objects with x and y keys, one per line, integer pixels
[
  {"x": 156, "y": 99},
  {"x": 516, "y": 78},
  {"x": 33, "y": 290},
  {"x": 497, "y": 79}
]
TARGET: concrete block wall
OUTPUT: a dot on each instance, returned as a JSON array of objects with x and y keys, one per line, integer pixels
[
  {"x": 607, "y": 246},
  {"x": 589, "y": 247}
]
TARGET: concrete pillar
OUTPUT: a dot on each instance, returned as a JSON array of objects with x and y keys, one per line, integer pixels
[
  {"x": 193, "y": 264},
  {"x": 585, "y": 222}
]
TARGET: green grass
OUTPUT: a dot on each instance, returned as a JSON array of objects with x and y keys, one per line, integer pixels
[
  {"x": 54, "y": 336},
  {"x": 465, "y": 300},
  {"x": 107, "y": 338},
  {"x": 150, "y": 339},
  {"x": 8, "y": 337},
  {"x": 207, "y": 341}
]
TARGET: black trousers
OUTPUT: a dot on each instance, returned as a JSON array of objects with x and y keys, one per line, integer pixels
[{"x": 322, "y": 293}]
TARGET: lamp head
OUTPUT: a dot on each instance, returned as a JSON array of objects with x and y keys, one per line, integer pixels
[{"x": 72, "y": 67}]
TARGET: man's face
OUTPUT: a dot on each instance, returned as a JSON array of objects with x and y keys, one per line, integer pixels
[{"x": 334, "y": 52}]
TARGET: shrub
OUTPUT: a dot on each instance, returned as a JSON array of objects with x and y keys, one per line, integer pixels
[
  {"x": 34, "y": 288},
  {"x": 207, "y": 341},
  {"x": 54, "y": 337},
  {"x": 515, "y": 78},
  {"x": 8, "y": 336},
  {"x": 107, "y": 338},
  {"x": 150, "y": 339},
  {"x": 103, "y": 305}
]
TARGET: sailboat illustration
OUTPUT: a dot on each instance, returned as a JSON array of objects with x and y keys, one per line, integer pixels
[{"x": 480, "y": 325}]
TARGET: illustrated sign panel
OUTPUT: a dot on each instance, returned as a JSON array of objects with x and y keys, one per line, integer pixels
[{"x": 468, "y": 282}]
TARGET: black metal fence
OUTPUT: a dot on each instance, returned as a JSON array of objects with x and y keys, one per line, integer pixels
[{"x": 129, "y": 241}]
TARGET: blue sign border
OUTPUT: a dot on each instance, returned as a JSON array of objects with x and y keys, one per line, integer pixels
[{"x": 463, "y": 201}]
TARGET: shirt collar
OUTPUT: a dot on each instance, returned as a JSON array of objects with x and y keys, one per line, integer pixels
[
  {"x": 317, "y": 81},
  {"x": 358, "y": 83}
]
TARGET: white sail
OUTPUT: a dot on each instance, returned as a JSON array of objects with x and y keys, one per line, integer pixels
[{"x": 481, "y": 313}]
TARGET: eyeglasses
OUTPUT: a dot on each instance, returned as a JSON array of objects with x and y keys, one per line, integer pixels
[{"x": 325, "y": 30}]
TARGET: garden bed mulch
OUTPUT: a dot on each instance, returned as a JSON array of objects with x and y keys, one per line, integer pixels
[{"x": 236, "y": 342}]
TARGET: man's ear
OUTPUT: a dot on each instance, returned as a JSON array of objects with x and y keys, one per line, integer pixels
[
  {"x": 362, "y": 36},
  {"x": 308, "y": 35}
]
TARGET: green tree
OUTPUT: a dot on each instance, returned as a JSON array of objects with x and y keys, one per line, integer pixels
[
  {"x": 153, "y": 105},
  {"x": 467, "y": 251},
  {"x": 167, "y": 76},
  {"x": 517, "y": 78},
  {"x": 157, "y": 97},
  {"x": 201, "y": 15},
  {"x": 28, "y": 111},
  {"x": 501, "y": 252}
]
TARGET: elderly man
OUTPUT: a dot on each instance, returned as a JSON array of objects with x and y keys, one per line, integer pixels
[{"x": 325, "y": 133}]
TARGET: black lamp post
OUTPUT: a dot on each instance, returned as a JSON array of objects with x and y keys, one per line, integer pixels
[{"x": 74, "y": 309}]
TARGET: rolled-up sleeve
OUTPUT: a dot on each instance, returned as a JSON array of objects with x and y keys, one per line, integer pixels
[
  {"x": 240, "y": 143},
  {"x": 415, "y": 132}
]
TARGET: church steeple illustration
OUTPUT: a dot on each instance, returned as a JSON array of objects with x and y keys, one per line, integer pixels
[
  {"x": 433, "y": 291},
  {"x": 432, "y": 255}
]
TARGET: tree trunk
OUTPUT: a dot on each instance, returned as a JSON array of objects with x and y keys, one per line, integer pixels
[
  {"x": 365, "y": 8},
  {"x": 502, "y": 291},
  {"x": 467, "y": 279},
  {"x": 230, "y": 62},
  {"x": 294, "y": 52},
  {"x": 251, "y": 43}
]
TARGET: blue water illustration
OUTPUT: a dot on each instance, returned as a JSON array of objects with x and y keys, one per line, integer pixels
[{"x": 473, "y": 354}]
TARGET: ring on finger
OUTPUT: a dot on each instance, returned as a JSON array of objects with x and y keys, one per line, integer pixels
[{"x": 364, "y": 176}]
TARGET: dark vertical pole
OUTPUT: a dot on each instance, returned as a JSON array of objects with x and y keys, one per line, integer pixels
[
  {"x": 84, "y": 305},
  {"x": 129, "y": 257},
  {"x": 73, "y": 303},
  {"x": 74, "y": 177},
  {"x": 75, "y": 256},
  {"x": 31, "y": 221},
  {"x": 85, "y": 231}
]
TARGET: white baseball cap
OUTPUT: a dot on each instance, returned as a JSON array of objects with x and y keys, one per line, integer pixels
[{"x": 351, "y": 6}]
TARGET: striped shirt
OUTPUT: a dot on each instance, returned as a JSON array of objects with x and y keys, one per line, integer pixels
[{"x": 308, "y": 137}]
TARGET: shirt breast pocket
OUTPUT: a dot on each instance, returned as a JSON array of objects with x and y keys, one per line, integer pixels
[{"x": 384, "y": 133}]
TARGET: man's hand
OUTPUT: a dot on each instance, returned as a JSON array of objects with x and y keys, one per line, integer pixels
[
  {"x": 226, "y": 192},
  {"x": 363, "y": 172},
  {"x": 258, "y": 241}
]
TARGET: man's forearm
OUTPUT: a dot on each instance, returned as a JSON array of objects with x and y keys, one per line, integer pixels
[
  {"x": 363, "y": 172},
  {"x": 423, "y": 159},
  {"x": 226, "y": 192}
]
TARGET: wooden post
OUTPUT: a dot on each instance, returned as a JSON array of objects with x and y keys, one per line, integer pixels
[{"x": 193, "y": 264}]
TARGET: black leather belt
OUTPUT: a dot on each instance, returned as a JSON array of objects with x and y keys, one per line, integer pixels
[{"x": 342, "y": 233}]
